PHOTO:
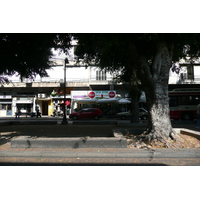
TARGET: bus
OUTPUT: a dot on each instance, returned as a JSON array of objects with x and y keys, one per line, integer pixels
[{"x": 183, "y": 103}]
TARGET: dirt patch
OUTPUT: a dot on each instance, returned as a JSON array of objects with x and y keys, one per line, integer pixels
[{"x": 182, "y": 141}]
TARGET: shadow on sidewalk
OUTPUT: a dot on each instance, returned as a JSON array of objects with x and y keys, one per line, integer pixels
[{"x": 80, "y": 164}]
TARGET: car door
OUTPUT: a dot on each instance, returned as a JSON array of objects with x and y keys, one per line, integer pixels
[
  {"x": 92, "y": 113},
  {"x": 84, "y": 114}
]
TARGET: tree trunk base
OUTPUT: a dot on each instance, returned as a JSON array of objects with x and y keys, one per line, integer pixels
[{"x": 154, "y": 137}]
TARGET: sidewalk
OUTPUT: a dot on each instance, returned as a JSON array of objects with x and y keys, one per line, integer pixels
[
  {"x": 100, "y": 157},
  {"x": 101, "y": 153}
]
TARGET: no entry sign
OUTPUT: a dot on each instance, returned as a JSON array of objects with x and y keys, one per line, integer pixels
[
  {"x": 111, "y": 94},
  {"x": 91, "y": 95}
]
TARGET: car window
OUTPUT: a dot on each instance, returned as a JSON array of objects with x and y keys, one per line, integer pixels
[{"x": 82, "y": 111}]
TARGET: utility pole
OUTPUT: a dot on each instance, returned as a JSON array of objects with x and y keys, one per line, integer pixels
[{"x": 64, "y": 121}]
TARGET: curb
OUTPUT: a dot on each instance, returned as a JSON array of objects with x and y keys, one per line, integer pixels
[
  {"x": 28, "y": 122},
  {"x": 95, "y": 122},
  {"x": 83, "y": 142},
  {"x": 117, "y": 140},
  {"x": 150, "y": 154},
  {"x": 189, "y": 132}
]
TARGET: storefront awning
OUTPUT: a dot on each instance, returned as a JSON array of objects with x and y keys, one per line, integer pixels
[
  {"x": 115, "y": 100},
  {"x": 5, "y": 102},
  {"x": 107, "y": 101},
  {"x": 124, "y": 101},
  {"x": 85, "y": 101},
  {"x": 96, "y": 101}
]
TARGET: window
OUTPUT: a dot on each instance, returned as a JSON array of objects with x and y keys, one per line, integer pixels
[
  {"x": 101, "y": 75},
  {"x": 173, "y": 101}
]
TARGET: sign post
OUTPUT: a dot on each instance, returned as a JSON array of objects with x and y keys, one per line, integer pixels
[{"x": 64, "y": 121}]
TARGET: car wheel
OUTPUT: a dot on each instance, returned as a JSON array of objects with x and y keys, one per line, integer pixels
[
  {"x": 144, "y": 117},
  {"x": 96, "y": 117},
  {"x": 186, "y": 116},
  {"x": 74, "y": 117}
]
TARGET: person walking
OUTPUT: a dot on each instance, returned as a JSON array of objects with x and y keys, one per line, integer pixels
[
  {"x": 18, "y": 113},
  {"x": 198, "y": 116},
  {"x": 38, "y": 114}
]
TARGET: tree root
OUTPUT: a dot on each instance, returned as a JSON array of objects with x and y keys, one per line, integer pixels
[{"x": 157, "y": 139}]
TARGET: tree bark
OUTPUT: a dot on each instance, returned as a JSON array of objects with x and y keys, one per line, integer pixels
[
  {"x": 135, "y": 94},
  {"x": 155, "y": 79},
  {"x": 159, "y": 125}
]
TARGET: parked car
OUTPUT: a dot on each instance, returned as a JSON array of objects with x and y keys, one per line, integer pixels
[
  {"x": 143, "y": 114},
  {"x": 86, "y": 113}
]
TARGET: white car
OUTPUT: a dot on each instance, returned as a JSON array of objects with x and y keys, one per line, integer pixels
[{"x": 143, "y": 114}]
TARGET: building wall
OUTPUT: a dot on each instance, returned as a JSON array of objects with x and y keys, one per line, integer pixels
[{"x": 77, "y": 78}]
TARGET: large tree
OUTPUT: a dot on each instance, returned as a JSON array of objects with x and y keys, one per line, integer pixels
[
  {"x": 28, "y": 54},
  {"x": 150, "y": 57}
]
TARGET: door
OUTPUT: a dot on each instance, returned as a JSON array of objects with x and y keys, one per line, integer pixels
[{"x": 44, "y": 107}]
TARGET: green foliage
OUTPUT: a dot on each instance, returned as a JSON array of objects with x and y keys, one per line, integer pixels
[
  {"x": 28, "y": 54},
  {"x": 112, "y": 52},
  {"x": 115, "y": 45}
]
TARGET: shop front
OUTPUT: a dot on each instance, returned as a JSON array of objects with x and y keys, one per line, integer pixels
[
  {"x": 5, "y": 105},
  {"x": 58, "y": 104},
  {"x": 106, "y": 101},
  {"x": 25, "y": 104}
]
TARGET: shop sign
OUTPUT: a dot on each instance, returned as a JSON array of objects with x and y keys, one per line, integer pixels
[
  {"x": 93, "y": 94},
  {"x": 105, "y": 94},
  {"x": 79, "y": 94},
  {"x": 24, "y": 101}
]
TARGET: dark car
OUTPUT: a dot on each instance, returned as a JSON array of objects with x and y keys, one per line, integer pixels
[
  {"x": 87, "y": 113},
  {"x": 143, "y": 114}
]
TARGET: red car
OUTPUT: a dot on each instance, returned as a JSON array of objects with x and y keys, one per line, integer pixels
[{"x": 86, "y": 113}]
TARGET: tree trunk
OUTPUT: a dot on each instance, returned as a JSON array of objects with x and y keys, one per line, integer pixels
[
  {"x": 159, "y": 125},
  {"x": 135, "y": 95},
  {"x": 155, "y": 79}
]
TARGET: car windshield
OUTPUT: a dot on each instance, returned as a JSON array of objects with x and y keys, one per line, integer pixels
[{"x": 85, "y": 110}]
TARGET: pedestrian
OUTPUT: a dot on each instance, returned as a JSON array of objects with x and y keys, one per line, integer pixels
[
  {"x": 38, "y": 114},
  {"x": 198, "y": 116},
  {"x": 18, "y": 113}
]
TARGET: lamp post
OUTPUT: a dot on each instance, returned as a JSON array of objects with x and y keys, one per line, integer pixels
[{"x": 64, "y": 121}]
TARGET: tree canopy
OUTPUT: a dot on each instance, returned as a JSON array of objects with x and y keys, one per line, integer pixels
[
  {"x": 112, "y": 49},
  {"x": 29, "y": 54}
]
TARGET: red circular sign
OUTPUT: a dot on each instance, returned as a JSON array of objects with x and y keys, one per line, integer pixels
[
  {"x": 91, "y": 94},
  {"x": 111, "y": 94}
]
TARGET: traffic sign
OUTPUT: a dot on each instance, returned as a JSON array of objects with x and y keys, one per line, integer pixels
[
  {"x": 91, "y": 95},
  {"x": 111, "y": 94}
]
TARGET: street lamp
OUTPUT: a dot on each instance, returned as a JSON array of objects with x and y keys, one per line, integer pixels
[{"x": 64, "y": 121}]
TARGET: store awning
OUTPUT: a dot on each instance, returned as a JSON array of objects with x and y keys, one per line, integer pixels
[
  {"x": 124, "y": 101},
  {"x": 5, "y": 102},
  {"x": 96, "y": 100},
  {"x": 85, "y": 101},
  {"x": 107, "y": 100}
]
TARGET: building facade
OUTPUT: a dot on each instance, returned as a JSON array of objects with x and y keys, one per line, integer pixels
[{"x": 48, "y": 93}]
